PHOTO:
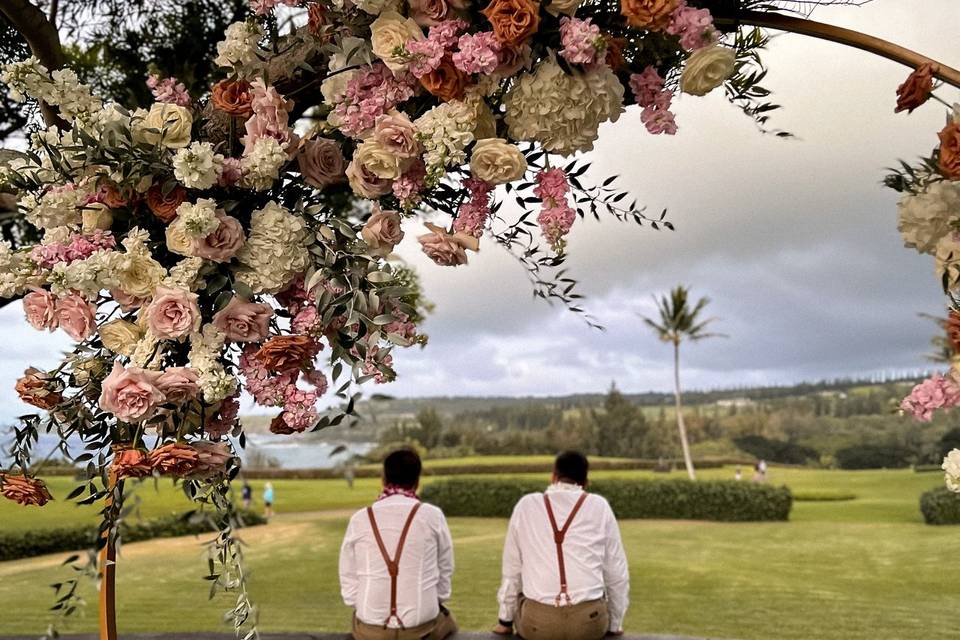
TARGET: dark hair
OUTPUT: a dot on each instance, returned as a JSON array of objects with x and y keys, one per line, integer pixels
[
  {"x": 402, "y": 469},
  {"x": 572, "y": 466}
]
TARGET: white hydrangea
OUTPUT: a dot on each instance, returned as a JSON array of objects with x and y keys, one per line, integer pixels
[
  {"x": 951, "y": 465},
  {"x": 17, "y": 271},
  {"x": 58, "y": 207},
  {"x": 197, "y": 166},
  {"x": 185, "y": 274},
  {"x": 445, "y": 131},
  {"x": 27, "y": 79},
  {"x": 240, "y": 46},
  {"x": 261, "y": 167},
  {"x": 198, "y": 219},
  {"x": 562, "y": 111},
  {"x": 275, "y": 251},
  {"x": 925, "y": 218}
]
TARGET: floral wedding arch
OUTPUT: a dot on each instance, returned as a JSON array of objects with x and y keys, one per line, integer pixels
[{"x": 207, "y": 245}]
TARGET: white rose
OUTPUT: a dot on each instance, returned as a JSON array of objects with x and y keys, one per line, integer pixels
[
  {"x": 121, "y": 336},
  {"x": 389, "y": 34},
  {"x": 178, "y": 240},
  {"x": 95, "y": 215},
  {"x": 568, "y": 7},
  {"x": 497, "y": 162},
  {"x": 379, "y": 161},
  {"x": 172, "y": 124},
  {"x": 707, "y": 69},
  {"x": 951, "y": 465}
]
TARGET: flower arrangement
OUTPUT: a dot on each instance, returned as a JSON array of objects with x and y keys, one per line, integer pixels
[{"x": 209, "y": 245}]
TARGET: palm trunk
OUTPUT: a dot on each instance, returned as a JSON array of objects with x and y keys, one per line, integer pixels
[{"x": 681, "y": 427}]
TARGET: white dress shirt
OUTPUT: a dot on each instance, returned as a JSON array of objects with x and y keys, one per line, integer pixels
[
  {"x": 426, "y": 564},
  {"x": 592, "y": 552}
]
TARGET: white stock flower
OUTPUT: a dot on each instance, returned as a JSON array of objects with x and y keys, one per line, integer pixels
[
  {"x": 445, "y": 131},
  {"x": 198, "y": 219},
  {"x": 926, "y": 217},
  {"x": 148, "y": 352},
  {"x": 275, "y": 251},
  {"x": 240, "y": 46},
  {"x": 261, "y": 167},
  {"x": 57, "y": 207},
  {"x": 951, "y": 465},
  {"x": 27, "y": 78},
  {"x": 185, "y": 274},
  {"x": 88, "y": 276},
  {"x": 561, "y": 111},
  {"x": 206, "y": 346},
  {"x": 706, "y": 69},
  {"x": 197, "y": 166},
  {"x": 17, "y": 271},
  {"x": 72, "y": 97}
]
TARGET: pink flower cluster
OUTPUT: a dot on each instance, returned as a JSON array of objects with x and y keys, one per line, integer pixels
[
  {"x": 281, "y": 390},
  {"x": 928, "y": 396},
  {"x": 478, "y": 53},
  {"x": 295, "y": 297},
  {"x": 72, "y": 313},
  {"x": 401, "y": 326},
  {"x": 694, "y": 26},
  {"x": 429, "y": 52},
  {"x": 581, "y": 40},
  {"x": 369, "y": 366},
  {"x": 408, "y": 187},
  {"x": 169, "y": 91},
  {"x": 472, "y": 216},
  {"x": 263, "y": 7},
  {"x": 370, "y": 94},
  {"x": 270, "y": 119},
  {"x": 224, "y": 419},
  {"x": 557, "y": 216},
  {"x": 79, "y": 247},
  {"x": 648, "y": 90}
]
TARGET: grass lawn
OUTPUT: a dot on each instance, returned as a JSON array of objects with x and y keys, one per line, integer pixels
[{"x": 867, "y": 568}]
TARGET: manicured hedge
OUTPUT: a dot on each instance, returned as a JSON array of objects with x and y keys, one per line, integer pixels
[
  {"x": 940, "y": 506},
  {"x": 26, "y": 544},
  {"x": 874, "y": 456},
  {"x": 823, "y": 496},
  {"x": 722, "y": 500}
]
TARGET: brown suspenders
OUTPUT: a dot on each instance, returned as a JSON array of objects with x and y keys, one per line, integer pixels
[
  {"x": 558, "y": 536},
  {"x": 393, "y": 565}
]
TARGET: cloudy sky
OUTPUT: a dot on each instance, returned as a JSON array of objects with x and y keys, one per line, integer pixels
[{"x": 794, "y": 241}]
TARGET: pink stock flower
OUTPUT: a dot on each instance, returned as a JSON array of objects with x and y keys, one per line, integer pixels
[
  {"x": 646, "y": 86},
  {"x": 551, "y": 185},
  {"x": 266, "y": 388},
  {"x": 370, "y": 367},
  {"x": 80, "y": 247},
  {"x": 581, "y": 40},
  {"x": 427, "y": 55},
  {"x": 173, "y": 313},
  {"x": 40, "y": 307},
  {"x": 178, "y": 384},
  {"x": 659, "y": 121},
  {"x": 694, "y": 26},
  {"x": 307, "y": 322},
  {"x": 244, "y": 321},
  {"x": 169, "y": 91},
  {"x": 263, "y": 7},
  {"x": 928, "y": 396},
  {"x": 472, "y": 216},
  {"x": 478, "y": 53},
  {"x": 408, "y": 187},
  {"x": 230, "y": 173},
  {"x": 372, "y": 92},
  {"x": 76, "y": 316},
  {"x": 131, "y": 394},
  {"x": 556, "y": 222},
  {"x": 317, "y": 379}
]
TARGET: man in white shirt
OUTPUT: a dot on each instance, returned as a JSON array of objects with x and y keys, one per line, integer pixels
[
  {"x": 396, "y": 561},
  {"x": 565, "y": 574}
]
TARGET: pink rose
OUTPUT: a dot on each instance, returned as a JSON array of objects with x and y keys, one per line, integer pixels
[
  {"x": 382, "y": 231},
  {"x": 41, "y": 308},
  {"x": 76, "y": 316},
  {"x": 427, "y": 13},
  {"x": 126, "y": 301},
  {"x": 365, "y": 183},
  {"x": 396, "y": 134},
  {"x": 178, "y": 384},
  {"x": 447, "y": 249},
  {"x": 131, "y": 394},
  {"x": 173, "y": 313},
  {"x": 244, "y": 321},
  {"x": 223, "y": 243},
  {"x": 212, "y": 458},
  {"x": 321, "y": 162}
]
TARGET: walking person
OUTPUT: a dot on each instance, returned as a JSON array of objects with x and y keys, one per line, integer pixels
[
  {"x": 246, "y": 494},
  {"x": 396, "y": 562},
  {"x": 565, "y": 574},
  {"x": 268, "y": 498}
]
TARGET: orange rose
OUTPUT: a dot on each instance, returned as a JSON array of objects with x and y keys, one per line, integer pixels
[
  {"x": 165, "y": 206},
  {"x": 446, "y": 81},
  {"x": 513, "y": 21},
  {"x": 283, "y": 353},
  {"x": 174, "y": 459},
  {"x": 614, "y": 51},
  {"x": 916, "y": 89},
  {"x": 24, "y": 490},
  {"x": 950, "y": 151},
  {"x": 112, "y": 196},
  {"x": 33, "y": 388},
  {"x": 317, "y": 20},
  {"x": 652, "y": 15},
  {"x": 233, "y": 97},
  {"x": 953, "y": 331},
  {"x": 131, "y": 463}
]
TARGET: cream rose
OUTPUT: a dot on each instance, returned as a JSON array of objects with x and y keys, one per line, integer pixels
[
  {"x": 120, "y": 336},
  {"x": 951, "y": 466},
  {"x": 380, "y": 161},
  {"x": 95, "y": 215},
  {"x": 496, "y": 161},
  {"x": 707, "y": 69},
  {"x": 382, "y": 232},
  {"x": 178, "y": 240},
  {"x": 170, "y": 126},
  {"x": 389, "y": 34},
  {"x": 139, "y": 275}
]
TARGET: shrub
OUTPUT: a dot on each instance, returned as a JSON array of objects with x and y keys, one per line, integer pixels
[
  {"x": 874, "y": 456},
  {"x": 26, "y": 544},
  {"x": 823, "y": 496},
  {"x": 721, "y": 500},
  {"x": 776, "y": 450},
  {"x": 940, "y": 506}
]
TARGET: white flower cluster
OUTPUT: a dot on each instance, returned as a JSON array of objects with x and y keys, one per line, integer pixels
[
  {"x": 197, "y": 166},
  {"x": 445, "y": 131},
  {"x": 261, "y": 166},
  {"x": 17, "y": 272},
  {"x": 334, "y": 86},
  {"x": 925, "y": 218},
  {"x": 199, "y": 219},
  {"x": 87, "y": 277},
  {"x": 563, "y": 111},
  {"x": 240, "y": 47},
  {"x": 275, "y": 251},
  {"x": 205, "y": 347},
  {"x": 146, "y": 354},
  {"x": 951, "y": 465},
  {"x": 185, "y": 275},
  {"x": 62, "y": 88},
  {"x": 58, "y": 207}
]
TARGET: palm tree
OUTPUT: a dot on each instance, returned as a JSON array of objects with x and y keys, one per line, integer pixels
[{"x": 678, "y": 322}]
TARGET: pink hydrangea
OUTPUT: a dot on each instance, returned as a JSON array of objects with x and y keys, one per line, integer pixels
[
  {"x": 267, "y": 389},
  {"x": 370, "y": 94},
  {"x": 478, "y": 53},
  {"x": 472, "y": 216},
  {"x": 299, "y": 408},
  {"x": 694, "y": 26},
  {"x": 81, "y": 246},
  {"x": 408, "y": 187},
  {"x": 169, "y": 91},
  {"x": 928, "y": 396},
  {"x": 581, "y": 40}
]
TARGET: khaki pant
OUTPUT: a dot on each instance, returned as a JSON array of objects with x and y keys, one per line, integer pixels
[
  {"x": 443, "y": 627},
  {"x": 584, "y": 621}
]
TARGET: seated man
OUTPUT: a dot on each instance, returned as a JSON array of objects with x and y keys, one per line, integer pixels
[
  {"x": 396, "y": 561},
  {"x": 565, "y": 574}
]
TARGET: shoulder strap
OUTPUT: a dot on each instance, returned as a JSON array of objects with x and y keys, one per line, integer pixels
[
  {"x": 393, "y": 564},
  {"x": 558, "y": 537}
]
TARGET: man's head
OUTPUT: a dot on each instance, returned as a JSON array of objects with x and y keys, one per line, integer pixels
[
  {"x": 402, "y": 469},
  {"x": 571, "y": 467}
]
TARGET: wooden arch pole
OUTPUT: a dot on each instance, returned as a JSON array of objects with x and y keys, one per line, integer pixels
[
  {"x": 108, "y": 574},
  {"x": 877, "y": 46}
]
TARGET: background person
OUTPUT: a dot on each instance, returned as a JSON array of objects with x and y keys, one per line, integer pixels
[
  {"x": 565, "y": 574},
  {"x": 268, "y": 498}
]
